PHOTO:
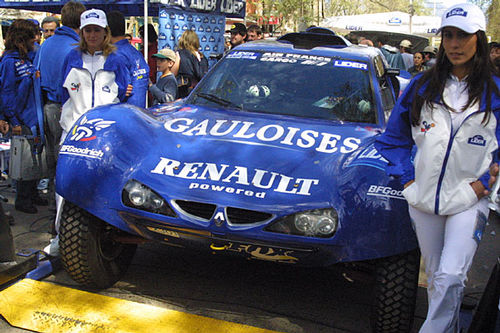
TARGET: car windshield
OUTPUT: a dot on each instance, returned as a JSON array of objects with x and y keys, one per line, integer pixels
[{"x": 290, "y": 84}]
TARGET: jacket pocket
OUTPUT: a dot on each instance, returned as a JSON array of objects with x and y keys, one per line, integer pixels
[
  {"x": 458, "y": 201},
  {"x": 411, "y": 194}
]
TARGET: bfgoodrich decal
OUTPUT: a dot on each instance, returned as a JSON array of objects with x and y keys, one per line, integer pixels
[{"x": 234, "y": 179}]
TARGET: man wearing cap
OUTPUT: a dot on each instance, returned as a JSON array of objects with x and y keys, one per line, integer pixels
[
  {"x": 137, "y": 66},
  {"x": 165, "y": 89},
  {"x": 429, "y": 54},
  {"x": 390, "y": 53},
  {"x": 238, "y": 34},
  {"x": 49, "y": 26},
  {"x": 405, "y": 49}
]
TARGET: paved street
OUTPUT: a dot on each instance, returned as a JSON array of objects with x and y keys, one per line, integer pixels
[{"x": 277, "y": 297}]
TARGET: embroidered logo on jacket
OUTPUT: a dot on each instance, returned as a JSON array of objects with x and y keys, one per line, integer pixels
[
  {"x": 106, "y": 89},
  {"x": 426, "y": 127},
  {"x": 75, "y": 86},
  {"x": 477, "y": 140}
]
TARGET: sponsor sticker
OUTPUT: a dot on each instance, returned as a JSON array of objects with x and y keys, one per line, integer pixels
[
  {"x": 350, "y": 64},
  {"x": 242, "y": 55},
  {"x": 86, "y": 129},
  {"x": 82, "y": 152},
  {"x": 385, "y": 191},
  {"x": 456, "y": 12},
  {"x": 477, "y": 140}
]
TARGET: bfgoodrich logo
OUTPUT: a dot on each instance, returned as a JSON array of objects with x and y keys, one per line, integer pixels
[{"x": 477, "y": 140}]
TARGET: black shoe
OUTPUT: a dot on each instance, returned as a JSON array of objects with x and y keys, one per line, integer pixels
[
  {"x": 28, "y": 209},
  {"x": 39, "y": 201}
]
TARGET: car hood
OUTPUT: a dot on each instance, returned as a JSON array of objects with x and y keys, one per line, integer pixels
[{"x": 244, "y": 159}]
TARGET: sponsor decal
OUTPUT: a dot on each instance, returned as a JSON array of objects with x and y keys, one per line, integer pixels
[
  {"x": 106, "y": 89},
  {"x": 75, "y": 86},
  {"x": 426, "y": 127},
  {"x": 456, "y": 12},
  {"x": 82, "y": 152},
  {"x": 237, "y": 180},
  {"x": 367, "y": 157},
  {"x": 350, "y": 64},
  {"x": 302, "y": 59},
  {"x": 385, "y": 191},
  {"x": 395, "y": 21},
  {"x": 93, "y": 14},
  {"x": 85, "y": 130},
  {"x": 477, "y": 140},
  {"x": 259, "y": 252},
  {"x": 242, "y": 55},
  {"x": 247, "y": 132}
]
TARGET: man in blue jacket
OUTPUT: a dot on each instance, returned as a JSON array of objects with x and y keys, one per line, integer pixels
[
  {"x": 136, "y": 65},
  {"x": 49, "y": 60}
]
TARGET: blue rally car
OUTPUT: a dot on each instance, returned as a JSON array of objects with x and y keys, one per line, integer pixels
[{"x": 270, "y": 157}]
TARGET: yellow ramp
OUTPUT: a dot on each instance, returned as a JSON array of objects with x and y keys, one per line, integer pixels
[{"x": 46, "y": 307}]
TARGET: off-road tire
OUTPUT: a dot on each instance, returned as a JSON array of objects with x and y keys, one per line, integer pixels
[
  {"x": 88, "y": 253},
  {"x": 395, "y": 293}
]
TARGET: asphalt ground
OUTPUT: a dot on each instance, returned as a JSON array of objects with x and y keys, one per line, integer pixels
[{"x": 278, "y": 297}]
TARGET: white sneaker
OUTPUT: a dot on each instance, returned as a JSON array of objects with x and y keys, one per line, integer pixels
[{"x": 53, "y": 248}]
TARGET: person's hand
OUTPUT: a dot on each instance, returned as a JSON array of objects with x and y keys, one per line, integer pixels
[
  {"x": 16, "y": 130},
  {"x": 129, "y": 90},
  {"x": 493, "y": 174},
  {"x": 479, "y": 189},
  {"x": 409, "y": 183}
]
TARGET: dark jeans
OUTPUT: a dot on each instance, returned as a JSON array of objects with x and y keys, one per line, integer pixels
[{"x": 53, "y": 130}]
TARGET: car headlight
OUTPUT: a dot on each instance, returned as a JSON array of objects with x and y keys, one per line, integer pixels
[
  {"x": 139, "y": 196},
  {"x": 311, "y": 223}
]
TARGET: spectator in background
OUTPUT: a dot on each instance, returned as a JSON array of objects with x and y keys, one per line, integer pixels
[
  {"x": 405, "y": 49},
  {"x": 152, "y": 49},
  {"x": 49, "y": 26},
  {"x": 193, "y": 64},
  {"x": 365, "y": 41},
  {"x": 390, "y": 53},
  {"x": 254, "y": 32},
  {"x": 136, "y": 65},
  {"x": 418, "y": 64},
  {"x": 18, "y": 100},
  {"x": 165, "y": 89},
  {"x": 49, "y": 60},
  {"x": 238, "y": 33},
  {"x": 494, "y": 51},
  {"x": 38, "y": 34},
  {"x": 429, "y": 56}
]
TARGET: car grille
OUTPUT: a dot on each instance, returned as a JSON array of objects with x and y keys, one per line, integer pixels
[
  {"x": 197, "y": 209},
  {"x": 245, "y": 216}
]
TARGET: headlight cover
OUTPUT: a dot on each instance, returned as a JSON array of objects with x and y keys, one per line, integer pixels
[
  {"x": 139, "y": 196},
  {"x": 321, "y": 223}
]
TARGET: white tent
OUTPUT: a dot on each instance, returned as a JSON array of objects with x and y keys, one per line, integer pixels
[{"x": 391, "y": 22}]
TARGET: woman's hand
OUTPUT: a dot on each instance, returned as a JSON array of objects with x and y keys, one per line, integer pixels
[
  {"x": 4, "y": 127},
  {"x": 16, "y": 130},
  {"x": 409, "y": 183},
  {"x": 129, "y": 90},
  {"x": 479, "y": 189}
]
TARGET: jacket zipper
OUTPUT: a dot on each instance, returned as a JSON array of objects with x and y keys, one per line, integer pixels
[{"x": 445, "y": 161}]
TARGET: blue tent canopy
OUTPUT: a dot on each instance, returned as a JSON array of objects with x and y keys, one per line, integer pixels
[{"x": 229, "y": 8}]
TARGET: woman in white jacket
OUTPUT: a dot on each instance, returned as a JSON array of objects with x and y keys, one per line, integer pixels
[
  {"x": 451, "y": 114},
  {"x": 93, "y": 75}
]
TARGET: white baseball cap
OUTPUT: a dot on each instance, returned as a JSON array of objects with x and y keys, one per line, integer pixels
[
  {"x": 93, "y": 16},
  {"x": 465, "y": 16}
]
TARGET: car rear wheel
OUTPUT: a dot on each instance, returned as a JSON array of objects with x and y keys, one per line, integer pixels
[
  {"x": 395, "y": 292},
  {"x": 88, "y": 250}
]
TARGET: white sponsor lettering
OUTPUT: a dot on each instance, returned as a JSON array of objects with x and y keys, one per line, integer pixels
[
  {"x": 385, "y": 191},
  {"x": 290, "y": 136},
  {"x": 239, "y": 175},
  {"x": 84, "y": 152},
  {"x": 351, "y": 64}
]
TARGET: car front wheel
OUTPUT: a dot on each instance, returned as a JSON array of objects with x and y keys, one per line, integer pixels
[
  {"x": 88, "y": 250},
  {"x": 395, "y": 292}
]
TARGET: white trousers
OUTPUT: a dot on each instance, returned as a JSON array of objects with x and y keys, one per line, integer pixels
[
  {"x": 447, "y": 244},
  {"x": 59, "y": 199}
]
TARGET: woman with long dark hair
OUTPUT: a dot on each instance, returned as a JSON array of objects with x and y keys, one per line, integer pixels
[
  {"x": 18, "y": 100},
  {"x": 451, "y": 113},
  {"x": 418, "y": 64}
]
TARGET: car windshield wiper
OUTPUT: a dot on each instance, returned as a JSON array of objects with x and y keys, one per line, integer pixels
[{"x": 218, "y": 100}]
